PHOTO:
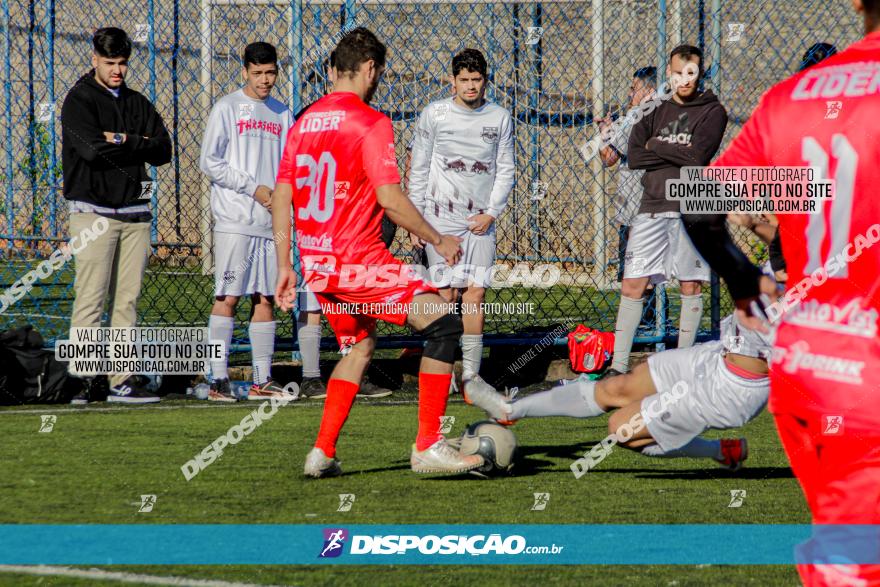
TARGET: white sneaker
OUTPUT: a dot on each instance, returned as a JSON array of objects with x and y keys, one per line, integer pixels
[
  {"x": 440, "y": 457},
  {"x": 320, "y": 465},
  {"x": 479, "y": 393}
]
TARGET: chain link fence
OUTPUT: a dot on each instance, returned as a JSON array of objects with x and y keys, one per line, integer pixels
[{"x": 555, "y": 65}]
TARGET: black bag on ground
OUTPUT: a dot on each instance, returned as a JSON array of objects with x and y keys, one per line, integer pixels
[{"x": 29, "y": 373}]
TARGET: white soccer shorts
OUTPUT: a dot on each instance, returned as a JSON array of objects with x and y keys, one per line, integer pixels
[
  {"x": 477, "y": 258},
  {"x": 307, "y": 301},
  {"x": 711, "y": 397},
  {"x": 243, "y": 265},
  {"x": 659, "y": 248}
]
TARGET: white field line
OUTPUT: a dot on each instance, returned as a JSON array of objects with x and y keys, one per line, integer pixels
[
  {"x": 67, "y": 409},
  {"x": 120, "y": 577}
]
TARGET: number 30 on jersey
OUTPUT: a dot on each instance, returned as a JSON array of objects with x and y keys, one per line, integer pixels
[{"x": 321, "y": 181}]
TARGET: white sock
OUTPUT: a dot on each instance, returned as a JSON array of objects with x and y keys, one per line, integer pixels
[
  {"x": 262, "y": 336},
  {"x": 577, "y": 400},
  {"x": 689, "y": 321},
  {"x": 698, "y": 448},
  {"x": 629, "y": 314},
  {"x": 471, "y": 355},
  {"x": 220, "y": 329},
  {"x": 309, "y": 337}
]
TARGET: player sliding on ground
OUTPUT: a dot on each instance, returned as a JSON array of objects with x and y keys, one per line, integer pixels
[
  {"x": 341, "y": 159},
  {"x": 678, "y": 394}
]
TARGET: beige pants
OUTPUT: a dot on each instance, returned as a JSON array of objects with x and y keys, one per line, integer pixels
[{"x": 111, "y": 266}]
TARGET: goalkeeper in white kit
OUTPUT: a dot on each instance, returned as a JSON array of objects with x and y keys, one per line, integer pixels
[{"x": 462, "y": 173}]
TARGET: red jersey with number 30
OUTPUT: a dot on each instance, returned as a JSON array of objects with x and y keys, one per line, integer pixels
[
  {"x": 827, "y": 117},
  {"x": 337, "y": 154}
]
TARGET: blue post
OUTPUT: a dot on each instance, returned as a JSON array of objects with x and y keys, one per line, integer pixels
[
  {"x": 7, "y": 91},
  {"x": 534, "y": 120},
  {"x": 53, "y": 157},
  {"x": 350, "y": 13},
  {"x": 492, "y": 48},
  {"x": 661, "y": 43},
  {"x": 176, "y": 117},
  {"x": 296, "y": 54},
  {"x": 296, "y": 63},
  {"x": 663, "y": 310},
  {"x": 151, "y": 44},
  {"x": 517, "y": 28}
]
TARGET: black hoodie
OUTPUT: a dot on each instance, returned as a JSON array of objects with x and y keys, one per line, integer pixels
[
  {"x": 97, "y": 171},
  {"x": 673, "y": 136}
]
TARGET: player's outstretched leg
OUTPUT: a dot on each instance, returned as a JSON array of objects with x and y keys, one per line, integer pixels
[
  {"x": 431, "y": 453},
  {"x": 730, "y": 453},
  {"x": 578, "y": 399},
  {"x": 630, "y": 425},
  {"x": 341, "y": 391}
]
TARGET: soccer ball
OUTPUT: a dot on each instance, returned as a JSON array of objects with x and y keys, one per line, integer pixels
[{"x": 495, "y": 443}]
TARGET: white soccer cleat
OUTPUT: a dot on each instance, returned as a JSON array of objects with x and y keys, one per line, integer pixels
[
  {"x": 320, "y": 465},
  {"x": 479, "y": 393},
  {"x": 440, "y": 457}
]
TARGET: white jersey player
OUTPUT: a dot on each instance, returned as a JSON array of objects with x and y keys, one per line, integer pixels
[
  {"x": 461, "y": 176},
  {"x": 666, "y": 402},
  {"x": 241, "y": 152}
]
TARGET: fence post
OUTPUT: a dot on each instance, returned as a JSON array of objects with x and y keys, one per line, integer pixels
[
  {"x": 296, "y": 54},
  {"x": 206, "y": 57},
  {"x": 535, "y": 70},
  {"x": 175, "y": 136},
  {"x": 715, "y": 283},
  {"x": 7, "y": 91},
  {"x": 151, "y": 45},
  {"x": 661, "y": 43},
  {"x": 53, "y": 155},
  {"x": 598, "y": 191}
]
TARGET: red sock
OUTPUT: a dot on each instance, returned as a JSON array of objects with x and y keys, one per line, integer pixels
[
  {"x": 433, "y": 393},
  {"x": 340, "y": 396}
]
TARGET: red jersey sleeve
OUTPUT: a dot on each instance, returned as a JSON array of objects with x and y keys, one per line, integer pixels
[
  {"x": 380, "y": 160},
  {"x": 287, "y": 168},
  {"x": 749, "y": 148}
]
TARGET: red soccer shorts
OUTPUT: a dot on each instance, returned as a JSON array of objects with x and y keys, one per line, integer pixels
[
  {"x": 838, "y": 468},
  {"x": 356, "y": 295}
]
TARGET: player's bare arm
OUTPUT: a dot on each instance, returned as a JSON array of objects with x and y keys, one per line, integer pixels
[
  {"x": 402, "y": 212},
  {"x": 285, "y": 288}
]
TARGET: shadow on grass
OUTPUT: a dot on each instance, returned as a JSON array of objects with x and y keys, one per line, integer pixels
[{"x": 708, "y": 472}]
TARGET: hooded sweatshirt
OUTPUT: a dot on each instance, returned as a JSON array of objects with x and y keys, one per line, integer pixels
[
  {"x": 103, "y": 174},
  {"x": 673, "y": 136}
]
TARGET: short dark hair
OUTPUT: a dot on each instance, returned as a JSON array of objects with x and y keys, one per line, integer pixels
[
  {"x": 111, "y": 42},
  {"x": 816, "y": 53},
  {"x": 259, "y": 53},
  {"x": 872, "y": 7},
  {"x": 358, "y": 46},
  {"x": 647, "y": 74},
  {"x": 686, "y": 52},
  {"x": 471, "y": 60}
]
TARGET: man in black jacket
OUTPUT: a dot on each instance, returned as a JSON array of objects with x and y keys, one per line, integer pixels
[
  {"x": 685, "y": 130},
  {"x": 109, "y": 133}
]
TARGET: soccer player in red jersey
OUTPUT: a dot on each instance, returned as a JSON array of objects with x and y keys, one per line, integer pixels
[
  {"x": 825, "y": 370},
  {"x": 339, "y": 169}
]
